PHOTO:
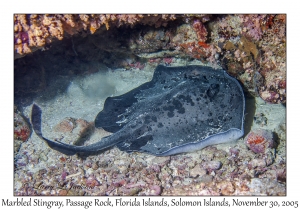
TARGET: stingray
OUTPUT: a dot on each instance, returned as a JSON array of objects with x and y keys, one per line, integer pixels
[{"x": 182, "y": 109}]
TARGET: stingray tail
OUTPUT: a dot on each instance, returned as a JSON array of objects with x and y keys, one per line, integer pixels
[{"x": 36, "y": 119}]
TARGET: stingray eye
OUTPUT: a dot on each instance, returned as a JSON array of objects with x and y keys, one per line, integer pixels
[{"x": 195, "y": 72}]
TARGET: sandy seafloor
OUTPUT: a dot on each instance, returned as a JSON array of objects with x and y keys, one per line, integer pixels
[{"x": 225, "y": 169}]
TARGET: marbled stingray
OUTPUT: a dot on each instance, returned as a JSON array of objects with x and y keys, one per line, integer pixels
[{"x": 182, "y": 109}]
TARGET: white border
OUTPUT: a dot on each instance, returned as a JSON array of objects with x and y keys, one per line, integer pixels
[{"x": 152, "y": 6}]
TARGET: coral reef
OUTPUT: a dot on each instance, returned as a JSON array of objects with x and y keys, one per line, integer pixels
[
  {"x": 249, "y": 53},
  {"x": 260, "y": 140},
  {"x": 250, "y": 47},
  {"x": 200, "y": 31},
  {"x": 32, "y": 32},
  {"x": 22, "y": 131},
  {"x": 21, "y": 128}
]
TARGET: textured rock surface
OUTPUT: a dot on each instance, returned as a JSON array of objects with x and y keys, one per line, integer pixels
[
  {"x": 251, "y": 47},
  {"x": 22, "y": 130}
]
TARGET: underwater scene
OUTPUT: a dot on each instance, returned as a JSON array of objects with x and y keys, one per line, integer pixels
[{"x": 150, "y": 105}]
